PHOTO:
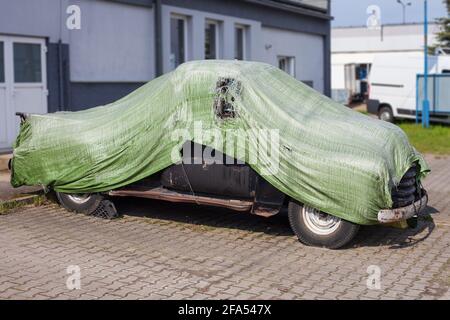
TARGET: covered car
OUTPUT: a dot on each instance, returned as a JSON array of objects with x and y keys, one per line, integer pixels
[{"x": 318, "y": 153}]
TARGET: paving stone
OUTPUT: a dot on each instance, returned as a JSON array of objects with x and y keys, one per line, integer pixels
[{"x": 160, "y": 250}]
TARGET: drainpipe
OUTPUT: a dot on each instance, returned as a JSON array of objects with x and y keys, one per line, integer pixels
[
  {"x": 327, "y": 56},
  {"x": 60, "y": 77},
  {"x": 61, "y": 102},
  {"x": 158, "y": 39}
]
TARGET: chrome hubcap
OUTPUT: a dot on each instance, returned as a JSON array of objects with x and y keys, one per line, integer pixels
[
  {"x": 385, "y": 116},
  {"x": 79, "y": 197},
  {"x": 319, "y": 222}
]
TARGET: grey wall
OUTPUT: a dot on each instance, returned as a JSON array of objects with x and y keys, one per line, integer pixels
[
  {"x": 31, "y": 18},
  {"x": 196, "y": 24},
  {"x": 110, "y": 46},
  {"x": 307, "y": 49},
  {"x": 115, "y": 43},
  {"x": 58, "y": 82},
  {"x": 92, "y": 94},
  {"x": 114, "y": 52},
  {"x": 274, "y": 16},
  {"x": 111, "y": 55}
]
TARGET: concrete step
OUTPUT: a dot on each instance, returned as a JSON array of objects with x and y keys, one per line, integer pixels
[{"x": 4, "y": 158}]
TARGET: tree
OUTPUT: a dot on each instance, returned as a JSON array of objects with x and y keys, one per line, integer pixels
[{"x": 443, "y": 36}]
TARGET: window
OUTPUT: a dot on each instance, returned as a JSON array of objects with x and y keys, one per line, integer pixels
[
  {"x": 27, "y": 62},
  {"x": 2, "y": 63},
  {"x": 178, "y": 45},
  {"x": 287, "y": 64},
  {"x": 309, "y": 83},
  {"x": 239, "y": 43},
  {"x": 211, "y": 40}
]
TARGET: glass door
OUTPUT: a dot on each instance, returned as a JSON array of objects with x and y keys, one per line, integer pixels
[{"x": 23, "y": 83}]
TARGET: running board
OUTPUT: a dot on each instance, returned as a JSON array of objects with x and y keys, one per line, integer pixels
[{"x": 161, "y": 193}]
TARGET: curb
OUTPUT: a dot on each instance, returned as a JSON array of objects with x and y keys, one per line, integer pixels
[
  {"x": 4, "y": 158},
  {"x": 6, "y": 205}
]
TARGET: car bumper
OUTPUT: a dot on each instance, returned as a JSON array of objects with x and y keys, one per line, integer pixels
[{"x": 402, "y": 213}]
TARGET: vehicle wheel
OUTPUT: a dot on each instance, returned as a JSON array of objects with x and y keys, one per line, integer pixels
[
  {"x": 80, "y": 202},
  {"x": 385, "y": 114},
  {"x": 316, "y": 228}
]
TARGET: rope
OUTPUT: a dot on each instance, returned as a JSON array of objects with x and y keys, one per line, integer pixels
[{"x": 189, "y": 183}]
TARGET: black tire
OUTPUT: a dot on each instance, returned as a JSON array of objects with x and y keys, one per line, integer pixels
[
  {"x": 81, "y": 203},
  {"x": 341, "y": 232},
  {"x": 385, "y": 113}
]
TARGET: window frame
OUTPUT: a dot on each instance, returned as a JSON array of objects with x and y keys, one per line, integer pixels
[
  {"x": 2, "y": 62},
  {"x": 217, "y": 37},
  {"x": 244, "y": 41},
  {"x": 41, "y": 75},
  {"x": 290, "y": 63},
  {"x": 185, "y": 20}
]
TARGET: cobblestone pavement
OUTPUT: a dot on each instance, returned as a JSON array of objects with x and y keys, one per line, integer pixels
[{"x": 160, "y": 251}]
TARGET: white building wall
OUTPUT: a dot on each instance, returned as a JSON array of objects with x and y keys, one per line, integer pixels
[{"x": 408, "y": 37}]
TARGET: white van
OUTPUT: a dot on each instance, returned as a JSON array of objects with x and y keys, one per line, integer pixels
[{"x": 392, "y": 84}]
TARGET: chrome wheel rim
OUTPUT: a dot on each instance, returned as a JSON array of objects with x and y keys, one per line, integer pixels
[
  {"x": 319, "y": 222},
  {"x": 385, "y": 116},
  {"x": 79, "y": 198}
]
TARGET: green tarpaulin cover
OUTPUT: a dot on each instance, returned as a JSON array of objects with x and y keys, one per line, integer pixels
[{"x": 322, "y": 153}]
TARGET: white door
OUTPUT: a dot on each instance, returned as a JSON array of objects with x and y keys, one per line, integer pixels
[{"x": 23, "y": 83}]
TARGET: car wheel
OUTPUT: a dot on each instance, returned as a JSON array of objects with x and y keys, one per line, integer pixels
[
  {"x": 80, "y": 202},
  {"x": 385, "y": 114},
  {"x": 316, "y": 228}
]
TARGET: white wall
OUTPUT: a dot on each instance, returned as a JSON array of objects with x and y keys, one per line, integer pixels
[
  {"x": 307, "y": 50},
  {"x": 408, "y": 37},
  {"x": 111, "y": 46}
]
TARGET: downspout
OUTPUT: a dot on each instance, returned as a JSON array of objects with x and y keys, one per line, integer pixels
[
  {"x": 60, "y": 77},
  {"x": 158, "y": 39},
  {"x": 327, "y": 56},
  {"x": 61, "y": 102}
]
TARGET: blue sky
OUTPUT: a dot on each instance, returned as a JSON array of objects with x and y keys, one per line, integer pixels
[{"x": 353, "y": 12}]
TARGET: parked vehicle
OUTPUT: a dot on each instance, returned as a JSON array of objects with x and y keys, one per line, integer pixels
[
  {"x": 349, "y": 79},
  {"x": 394, "y": 87},
  {"x": 333, "y": 169},
  {"x": 238, "y": 187}
]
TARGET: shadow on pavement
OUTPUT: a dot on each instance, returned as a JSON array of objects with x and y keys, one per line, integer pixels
[
  {"x": 203, "y": 216},
  {"x": 394, "y": 238},
  {"x": 277, "y": 225}
]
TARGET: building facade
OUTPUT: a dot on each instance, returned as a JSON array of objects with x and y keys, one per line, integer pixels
[{"x": 68, "y": 55}]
